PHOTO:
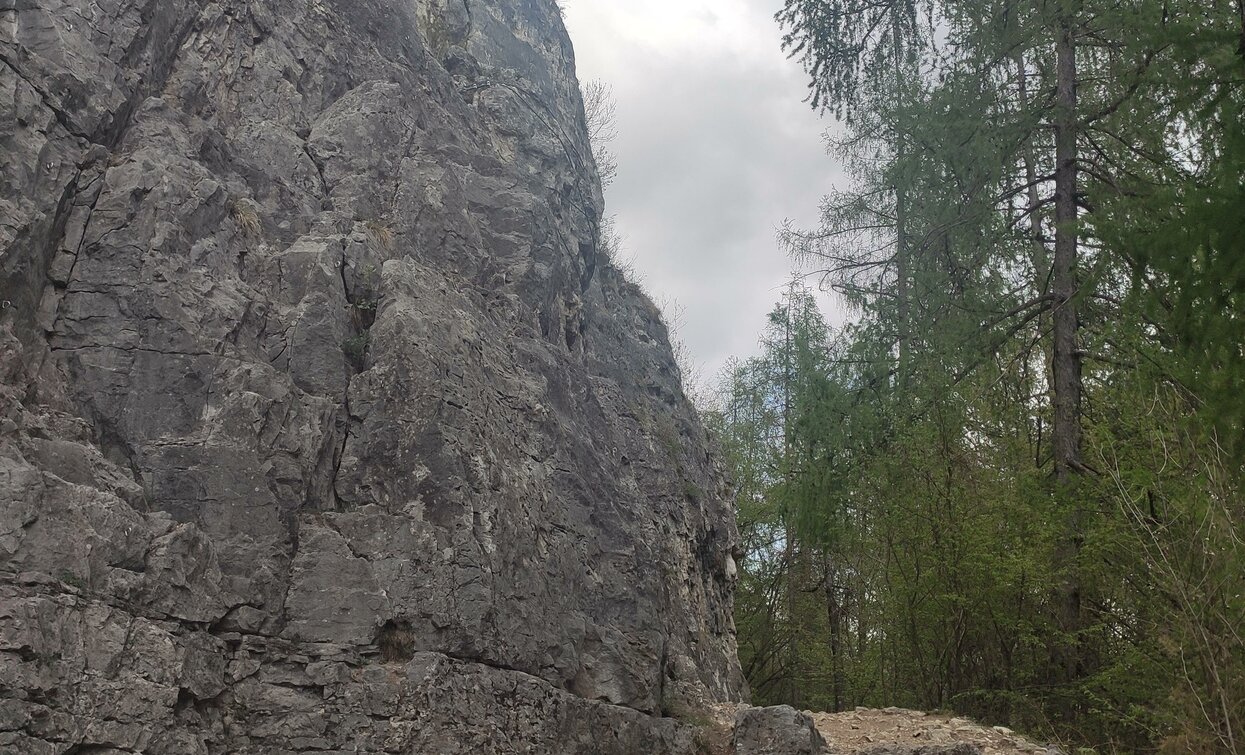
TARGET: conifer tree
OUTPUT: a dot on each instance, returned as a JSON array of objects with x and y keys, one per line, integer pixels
[{"x": 1012, "y": 486}]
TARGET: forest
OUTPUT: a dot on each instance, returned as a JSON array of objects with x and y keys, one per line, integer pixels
[{"x": 1011, "y": 486}]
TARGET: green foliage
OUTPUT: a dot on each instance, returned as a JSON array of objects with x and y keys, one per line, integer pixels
[
  {"x": 934, "y": 542},
  {"x": 906, "y": 542},
  {"x": 849, "y": 46},
  {"x": 355, "y": 349},
  {"x": 363, "y": 304},
  {"x": 1183, "y": 234},
  {"x": 71, "y": 579}
]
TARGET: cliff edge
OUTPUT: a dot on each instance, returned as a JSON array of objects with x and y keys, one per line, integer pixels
[{"x": 323, "y": 427}]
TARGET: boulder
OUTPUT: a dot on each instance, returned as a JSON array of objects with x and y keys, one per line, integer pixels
[{"x": 776, "y": 730}]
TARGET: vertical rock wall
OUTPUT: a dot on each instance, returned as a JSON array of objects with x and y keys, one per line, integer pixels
[{"x": 322, "y": 427}]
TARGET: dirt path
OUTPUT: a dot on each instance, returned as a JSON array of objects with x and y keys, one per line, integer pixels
[{"x": 863, "y": 730}]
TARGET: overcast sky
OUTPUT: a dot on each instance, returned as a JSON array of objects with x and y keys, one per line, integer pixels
[{"x": 715, "y": 146}]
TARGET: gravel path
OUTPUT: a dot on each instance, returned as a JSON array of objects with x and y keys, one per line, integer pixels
[{"x": 894, "y": 730}]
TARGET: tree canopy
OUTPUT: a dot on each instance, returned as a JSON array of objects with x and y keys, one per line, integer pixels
[{"x": 1012, "y": 485}]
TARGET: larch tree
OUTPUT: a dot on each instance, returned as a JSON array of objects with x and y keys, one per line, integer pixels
[{"x": 1014, "y": 475}]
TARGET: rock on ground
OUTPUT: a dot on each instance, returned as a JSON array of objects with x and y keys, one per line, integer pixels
[
  {"x": 895, "y": 731},
  {"x": 962, "y": 748},
  {"x": 777, "y": 730},
  {"x": 324, "y": 424}
]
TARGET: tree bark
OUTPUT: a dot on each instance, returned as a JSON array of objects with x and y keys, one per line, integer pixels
[
  {"x": 1240, "y": 10},
  {"x": 834, "y": 620},
  {"x": 1067, "y": 360}
]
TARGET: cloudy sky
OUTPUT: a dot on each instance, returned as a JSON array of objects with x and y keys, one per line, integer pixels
[{"x": 716, "y": 147}]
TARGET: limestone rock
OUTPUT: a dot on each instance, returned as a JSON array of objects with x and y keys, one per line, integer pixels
[
  {"x": 777, "y": 730},
  {"x": 322, "y": 425}
]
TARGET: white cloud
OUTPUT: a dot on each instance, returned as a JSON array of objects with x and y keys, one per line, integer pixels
[
  {"x": 669, "y": 27},
  {"x": 716, "y": 147}
]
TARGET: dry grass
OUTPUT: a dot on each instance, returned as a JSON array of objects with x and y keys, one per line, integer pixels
[
  {"x": 380, "y": 233},
  {"x": 396, "y": 642},
  {"x": 246, "y": 218}
]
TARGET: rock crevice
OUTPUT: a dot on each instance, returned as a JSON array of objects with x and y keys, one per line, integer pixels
[{"x": 322, "y": 427}]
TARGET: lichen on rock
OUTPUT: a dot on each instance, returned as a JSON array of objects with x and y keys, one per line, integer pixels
[{"x": 322, "y": 428}]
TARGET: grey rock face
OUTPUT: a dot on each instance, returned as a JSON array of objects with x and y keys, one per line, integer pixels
[
  {"x": 322, "y": 428},
  {"x": 777, "y": 730}
]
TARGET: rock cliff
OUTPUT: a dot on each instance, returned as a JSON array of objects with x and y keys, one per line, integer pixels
[{"x": 323, "y": 427}]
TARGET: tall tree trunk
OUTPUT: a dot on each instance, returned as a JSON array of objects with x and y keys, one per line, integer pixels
[
  {"x": 1240, "y": 10},
  {"x": 834, "y": 620},
  {"x": 1067, "y": 356}
]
